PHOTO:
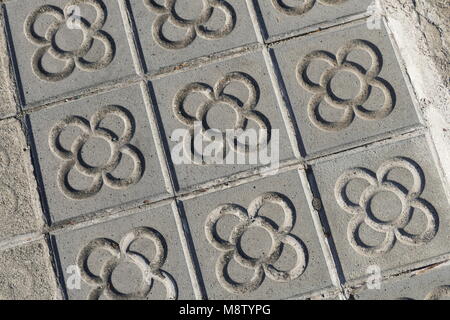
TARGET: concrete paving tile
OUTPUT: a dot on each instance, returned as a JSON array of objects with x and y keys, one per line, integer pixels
[
  {"x": 20, "y": 210},
  {"x": 386, "y": 206},
  {"x": 26, "y": 273},
  {"x": 257, "y": 240},
  {"x": 284, "y": 17},
  {"x": 87, "y": 145},
  {"x": 137, "y": 257},
  {"x": 431, "y": 285},
  {"x": 97, "y": 153},
  {"x": 245, "y": 81},
  {"x": 173, "y": 33},
  {"x": 53, "y": 58},
  {"x": 345, "y": 87}
]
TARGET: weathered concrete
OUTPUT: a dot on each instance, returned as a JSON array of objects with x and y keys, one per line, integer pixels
[
  {"x": 151, "y": 234},
  {"x": 20, "y": 209},
  {"x": 25, "y": 273},
  {"x": 108, "y": 112}
]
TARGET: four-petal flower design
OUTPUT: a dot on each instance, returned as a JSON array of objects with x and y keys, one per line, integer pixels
[
  {"x": 392, "y": 230},
  {"x": 103, "y": 174},
  {"x": 265, "y": 266},
  {"x": 72, "y": 58}
]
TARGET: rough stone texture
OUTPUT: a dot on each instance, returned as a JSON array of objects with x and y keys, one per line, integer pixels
[
  {"x": 251, "y": 68},
  {"x": 7, "y": 107},
  {"x": 431, "y": 284},
  {"x": 20, "y": 211},
  {"x": 422, "y": 32},
  {"x": 142, "y": 235},
  {"x": 401, "y": 168},
  {"x": 278, "y": 201},
  {"x": 228, "y": 27},
  {"x": 283, "y": 18},
  {"x": 26, "y": 273},
  {"x": 110, "y": 48},
  {"x": 326, "y": 129},
  {"x": 114, "y": 163}
]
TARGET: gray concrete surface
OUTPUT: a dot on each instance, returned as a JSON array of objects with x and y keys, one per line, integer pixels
[
  {"x": 237, "y": 234},
  {"x": 100, "y": 151},
  {"x": 112, "y": 250},
  {"x": 433, "y": 284},
  {"x": 258, "y": 94},
  {"x": 94, "y": 205},
  {"x": 388, "y": 203},
  {"x": 334, "y": 117}
]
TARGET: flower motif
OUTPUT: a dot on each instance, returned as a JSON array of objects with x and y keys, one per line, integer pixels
[
  {"x": 194, "y": 27},
  {"x": 264, "y": 266},
  {"x": 303, "y": 8},
  {"x": 120, "y": 253},
  {"x": 244, "y": 112},
  {"x": 47, "y": 43},
  {"x": 395, "y": 229},
  {"x": 322, "y": 91},
  {"x": 119, "y": 145}
]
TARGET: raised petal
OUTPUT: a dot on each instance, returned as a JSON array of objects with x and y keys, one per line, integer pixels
[
  {"x": 302, "y": 70},
  {"x": 249, "y": 82},
  {"x": 31, "y": 19},
  {"x": 58, "y": 129},
  {"x": 43, "y": 74},
  {"x": 375, "y": 68},
  {"x": 299, "y": 267},
  {"x": 400, "y": 162},
  {"x": 431, "y": 228},
  {"x": 228, "y": 25},
  {"x": 387, "y": 107},
  {"x": 233, "y": 286},
  {"x": 321, "y": 123},
  {"x": 135, "y": 176},
  {"x": 294, "y": 10},
  {"x": 72, "y": 193},
  {"x": 340, "y": 188},
  {"x": 83, "y": 256},
  {"x": 108, "y": 53},
  {"x": 178, "y": 102},
  {"x": 163, "y": 41},
  {"x": 211, "y": 224},
  {"x": 356, "y": 242}
]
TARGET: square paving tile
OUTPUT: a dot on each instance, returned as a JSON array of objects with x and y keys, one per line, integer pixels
[
  {"x": 97, "y": 153},
  {"x": 20, "y": 211},
  {"x": 52, "y": 57},
  {"x": 191, "y": 29},
  {"x": 257, "y": 240},
  {"x": 345, "y": 87},
  {"x": 137, "y": 257},
  {"x": 431, "y": 285},
  {"x": 285, "y": 17},
  {"x": 386, "y": 206},
  {"x": 26, "y": 273},
  {"x": 245, "y": 82}
]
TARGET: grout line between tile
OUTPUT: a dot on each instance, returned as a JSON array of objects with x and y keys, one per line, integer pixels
[{"x": 324, "y": 241}]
